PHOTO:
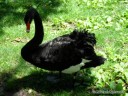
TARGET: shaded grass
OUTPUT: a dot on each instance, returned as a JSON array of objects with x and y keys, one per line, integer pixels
[
  {"x": 107, "y": 19},
  {"x": 37, "y": 84}
]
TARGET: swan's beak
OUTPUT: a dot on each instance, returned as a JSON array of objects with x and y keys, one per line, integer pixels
[{"x": 28, "y": 27}]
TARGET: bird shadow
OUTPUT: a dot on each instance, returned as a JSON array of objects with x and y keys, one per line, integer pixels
[{"x": 37, "y": 81}]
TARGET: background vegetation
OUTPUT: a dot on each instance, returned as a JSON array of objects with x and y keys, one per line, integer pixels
[{"x": 108, "y": 19}]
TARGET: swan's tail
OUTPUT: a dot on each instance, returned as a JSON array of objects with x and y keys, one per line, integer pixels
[{"x": 96, "y": 61}]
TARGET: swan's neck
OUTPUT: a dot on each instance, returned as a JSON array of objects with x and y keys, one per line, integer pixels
[
  {"x": 31, "y": 46},
  {"x": 39, "y": 31}
]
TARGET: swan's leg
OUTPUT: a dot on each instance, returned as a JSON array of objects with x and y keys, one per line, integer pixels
[
  {"x": 60, "y": 74},
  {"x": 74, "y": 79}
]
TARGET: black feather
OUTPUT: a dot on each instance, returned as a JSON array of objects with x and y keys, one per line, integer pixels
[{"x": 60, "y": 53}]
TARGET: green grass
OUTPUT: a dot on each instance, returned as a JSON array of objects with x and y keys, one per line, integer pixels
[{"x": 108, "y": 19}]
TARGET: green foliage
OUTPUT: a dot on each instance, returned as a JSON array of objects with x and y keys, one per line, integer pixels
[{"x": 108, "y": 19}]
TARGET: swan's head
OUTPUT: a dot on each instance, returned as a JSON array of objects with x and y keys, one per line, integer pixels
[{"x": 28, "y": 18}]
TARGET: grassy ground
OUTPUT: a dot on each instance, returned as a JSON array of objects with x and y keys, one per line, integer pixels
[{"x": 108, "y": 19}]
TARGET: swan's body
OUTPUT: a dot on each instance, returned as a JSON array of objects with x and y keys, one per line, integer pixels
[{"x": 65, "y": 53}]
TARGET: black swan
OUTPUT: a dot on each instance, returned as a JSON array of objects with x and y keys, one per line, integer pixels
[{"x": 67, "y": 54}]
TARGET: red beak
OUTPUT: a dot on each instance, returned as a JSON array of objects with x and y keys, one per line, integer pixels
[{"x": 28, "y": 27}]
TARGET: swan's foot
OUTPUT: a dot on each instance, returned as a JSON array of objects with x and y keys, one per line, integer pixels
[
  {"x": 54, "y": 78},
  {"x": 79, "y": 82}
]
